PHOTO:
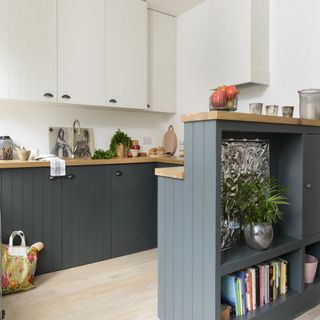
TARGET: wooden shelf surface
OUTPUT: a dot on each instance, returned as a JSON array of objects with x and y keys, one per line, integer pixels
[
  {"x": 243, "y": 257},
  {"x": 247, "y": 117}
]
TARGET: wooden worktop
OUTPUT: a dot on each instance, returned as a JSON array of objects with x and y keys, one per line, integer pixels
[
  {"x": 248, "y": 117},
  {"x": 12, "y": 164},
  {"x": 173, "y": 172}
]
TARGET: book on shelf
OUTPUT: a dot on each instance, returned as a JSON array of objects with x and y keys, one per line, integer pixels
[{"x": 246, "y": 290}]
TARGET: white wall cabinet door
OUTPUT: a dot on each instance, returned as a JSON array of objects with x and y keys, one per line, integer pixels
[
  {"x": 33, "y": 49},
  {"x": 162, "y": 62},
  {"x": 127, "y": 58},
  {"x": 81, "y": 52},
  {"x": 4, "y": 49}
]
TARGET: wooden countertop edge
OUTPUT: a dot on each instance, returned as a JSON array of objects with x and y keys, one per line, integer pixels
[
  {"x": 173, "y": 172},
  {"x": 247, "y": 117},
  {"x": 16, "y": 164}
]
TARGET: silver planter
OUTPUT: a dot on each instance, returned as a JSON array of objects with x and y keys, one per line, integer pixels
[{"x": 259, "y": 236}]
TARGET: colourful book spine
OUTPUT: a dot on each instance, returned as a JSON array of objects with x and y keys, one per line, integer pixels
[
  {"x": 261, "y": 270},
  {"x": 253, "y": 288}
]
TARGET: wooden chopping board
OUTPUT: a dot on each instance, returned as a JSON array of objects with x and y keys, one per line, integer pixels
[{"x": 170, "y": 141}]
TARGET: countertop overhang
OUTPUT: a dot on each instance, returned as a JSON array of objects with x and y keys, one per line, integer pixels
[
  {"x": 15, "y": 164},
  {"x": 173, "y": 172},
  {"x": 248, "y": 117}
]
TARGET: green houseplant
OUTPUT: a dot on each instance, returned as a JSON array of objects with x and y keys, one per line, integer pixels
[
  {"x": 259, "y": 202},
  {"x": 120, "y": 143}
]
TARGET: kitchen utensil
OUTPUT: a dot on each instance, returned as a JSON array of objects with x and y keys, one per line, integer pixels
[
  {"x": 170, "y": 141},
  {"x": 272, "y": 110},
  {"x": 255, "y": 108},
  {"x": 287, "y": 111},
  {"x": 6, "y": 148},
  {"x": 310, "y": 103},
  {"x": 181, "y": 149}
]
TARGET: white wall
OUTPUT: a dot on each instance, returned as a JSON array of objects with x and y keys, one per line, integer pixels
[
  {"x": 294, "y": 57},
  {"x": 28, "y": 124}
]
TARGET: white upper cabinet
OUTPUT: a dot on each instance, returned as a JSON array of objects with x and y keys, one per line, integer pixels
[
  {"x": 4, "y": 49},
  {"x": 32, "y": 49},
  {"x": 81, "y": 51},
  {"x": 162, "y": 62},
  {"x": 239, "y": 42},
  {"x": 127, "y": 56}
]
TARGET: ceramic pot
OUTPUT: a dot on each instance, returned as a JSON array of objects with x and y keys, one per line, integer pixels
[
  {"x": 120, "y": 151},
  {"x": 258, "y": 236},
  {"x": 24, "y": 154},
  {"x": 310, "y": 268}
]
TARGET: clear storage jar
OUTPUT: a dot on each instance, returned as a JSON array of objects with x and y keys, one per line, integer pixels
[
  {"x": 6, "y": 148},
  {"x": 310, "y": 104}
]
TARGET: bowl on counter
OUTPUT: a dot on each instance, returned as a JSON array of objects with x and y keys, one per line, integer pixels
[
  {"x": 24, "y": 154},
  {"x": 134, "y": 152}
]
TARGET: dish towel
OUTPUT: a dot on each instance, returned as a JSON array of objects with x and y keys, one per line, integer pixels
[{"x": 57, "y": 167}]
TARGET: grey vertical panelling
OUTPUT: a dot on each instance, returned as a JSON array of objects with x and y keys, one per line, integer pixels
[
  {"x": 187, "y": 225},
  {"x": 169, "y": 246},
  {"x": 86, "y": 216},
  {"x": 211, "y": 259},
  {"x": 177, "y": 212},
  {"x": 198, "y": 220},
  {"x": 161, "y": 246}
]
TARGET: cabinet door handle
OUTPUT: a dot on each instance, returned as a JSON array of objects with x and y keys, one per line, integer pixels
[
  {"x": 308, "y": 186},
  {"x": 118, "y": 173},
  {"x": 51, "y": 178},
  {"x": 66, "y": 96},
  {"x": 71, "y": 176},
  {"x": 48, "y": 95},
  {"x": 148, "y": 106},
  {"x": 113, "y": 101}
]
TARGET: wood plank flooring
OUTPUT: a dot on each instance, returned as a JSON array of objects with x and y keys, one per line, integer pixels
[{"x": 118, "y": 289}]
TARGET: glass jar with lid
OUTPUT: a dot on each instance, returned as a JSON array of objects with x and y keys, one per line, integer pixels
[
  {"x": 6, "y": 148},
  {"x": 309, "y": 104}
]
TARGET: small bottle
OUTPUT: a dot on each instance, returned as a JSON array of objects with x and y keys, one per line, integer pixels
[
  {"x": 6, "y": 148},
  {"x": 181, "y": 149}
]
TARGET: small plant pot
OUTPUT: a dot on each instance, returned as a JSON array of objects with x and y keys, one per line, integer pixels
[
  {"x": 258, "y": 236},
  {"x": 120, "y": 151},
  {"x": 310, "y": 268},
  {"x": 24, "y": 155}
]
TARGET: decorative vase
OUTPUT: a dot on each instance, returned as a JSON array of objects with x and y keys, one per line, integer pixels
[
  {"x": 259, "y": 236},
  {"x": 310, "y": 268},
  {"x": 120, "y": 150}
]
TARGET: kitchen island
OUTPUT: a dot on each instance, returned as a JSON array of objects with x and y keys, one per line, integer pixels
[{"x": 190, "y": 260}]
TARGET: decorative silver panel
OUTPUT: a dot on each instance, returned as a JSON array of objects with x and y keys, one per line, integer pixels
[{"x": 239, "y": 157}]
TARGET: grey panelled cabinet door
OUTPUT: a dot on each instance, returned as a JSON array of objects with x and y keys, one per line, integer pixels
[
  {"x": 312, "y": 185},
  {"x": 32, "y": 203},
  {"x": 86, "y": 216},
  {"x": 134, "y": 209}
]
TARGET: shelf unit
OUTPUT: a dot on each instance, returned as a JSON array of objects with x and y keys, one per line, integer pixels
[{"x": 191, "y": 263}]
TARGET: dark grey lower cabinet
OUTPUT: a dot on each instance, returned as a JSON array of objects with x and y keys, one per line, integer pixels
[
  {"x": 94, "y": 213},
  {"x": 32, "y": 203},
  {"x": 86, "y": 215},
  {"x": 134, "y": 208},
  {"x": 312, "y": 185}
]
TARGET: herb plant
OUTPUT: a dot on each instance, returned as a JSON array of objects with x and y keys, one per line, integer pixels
[
  {"x": 119, "y": 138},
  {"x": 103, "y": 154},
  {"x": 257, "y": 201}
]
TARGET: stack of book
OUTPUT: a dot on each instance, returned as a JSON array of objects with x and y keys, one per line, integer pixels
[{"x": 254, "y": 287}]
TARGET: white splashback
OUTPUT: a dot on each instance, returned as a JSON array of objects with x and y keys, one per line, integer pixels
[{"x": 28, "y": 124}]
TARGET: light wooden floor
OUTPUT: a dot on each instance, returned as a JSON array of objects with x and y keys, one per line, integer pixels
[{"x": 119, "y": 289}]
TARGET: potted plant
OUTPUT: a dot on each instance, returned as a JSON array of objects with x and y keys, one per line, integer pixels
[
  {"x": 259, "y": 202},
  {"x": 120, "y": 142}
]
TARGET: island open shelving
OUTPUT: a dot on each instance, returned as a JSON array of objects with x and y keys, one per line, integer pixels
[{"x": 191, "y": 263}]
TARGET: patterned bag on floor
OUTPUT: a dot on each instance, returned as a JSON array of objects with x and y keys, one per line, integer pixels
[{"x": 18, "y": 265}]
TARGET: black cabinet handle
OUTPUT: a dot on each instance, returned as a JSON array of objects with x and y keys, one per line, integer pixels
[
  {"x": 66, "y": 96},
  {"x": 71, "y": 176},
  {"x": 118, "y": 173},
  {"x": 308, "y": 186},
  {"x": 48, "y": 95},
  {"x": 113, "y": 101},
  {"x": 148, "y": 106}
]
